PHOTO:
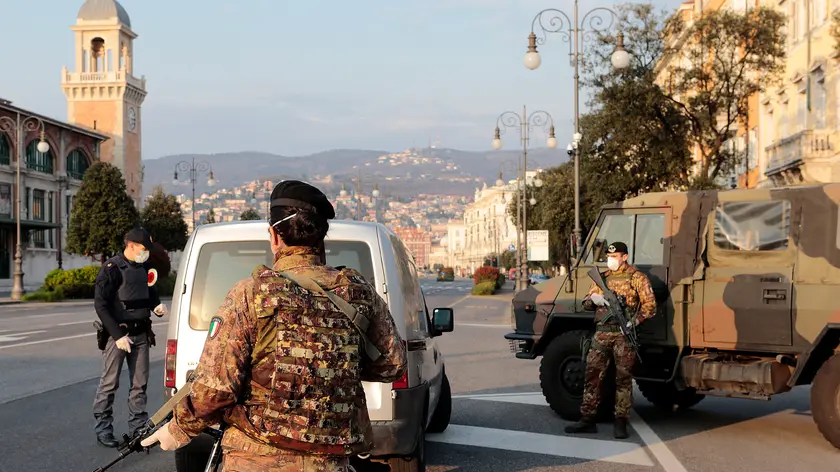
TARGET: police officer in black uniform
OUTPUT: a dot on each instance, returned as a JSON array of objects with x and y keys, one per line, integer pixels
[{"x": 124, "y": 302}]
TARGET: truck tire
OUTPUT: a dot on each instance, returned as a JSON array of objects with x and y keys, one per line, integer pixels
[
  {"x": 443, "y": 411},
  {"x": 666, "y": 396},
  {"x": 562, "y": 376},
  {"x": 825, "y": 396}
]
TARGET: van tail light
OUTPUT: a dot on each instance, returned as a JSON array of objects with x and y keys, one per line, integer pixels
[
  {"x": 402, "y": 383},
  {"x": 171, "y": 354}
]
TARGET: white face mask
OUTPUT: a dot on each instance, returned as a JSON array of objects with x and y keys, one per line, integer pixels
[
  {"x": 142, "y": 257},
  {"x": 613, "y": 263}
]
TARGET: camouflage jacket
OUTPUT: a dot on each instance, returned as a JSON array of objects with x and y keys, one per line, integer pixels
[
  {"x": 634, "y": 286},
  {"x": 285, "y": 365}
]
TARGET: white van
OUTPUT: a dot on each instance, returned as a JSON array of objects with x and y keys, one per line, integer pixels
[{"x": 219, "y": 255}]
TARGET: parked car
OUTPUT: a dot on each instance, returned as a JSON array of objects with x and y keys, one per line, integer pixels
[
  {"x": 447, "y": 274},
  {"x": 218, "y": 256}
]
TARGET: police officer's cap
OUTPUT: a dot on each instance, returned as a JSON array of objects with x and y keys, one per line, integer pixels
[
  {"x": 617, "y": 247},
  {"x": 140, "y": 236},
  {"x": 297, "y": 194}
]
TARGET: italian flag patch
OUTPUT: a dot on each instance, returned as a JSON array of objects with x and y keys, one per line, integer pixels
[{"x": 215, "y": 325}]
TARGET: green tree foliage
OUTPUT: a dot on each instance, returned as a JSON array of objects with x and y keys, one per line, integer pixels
[
  {"x": 250, "y": 214},
  {"x": 507, "y": 259},
  {"x": 163, "y": 219},
  {"x": 718, "y": 63},
  {"x": 102, "y": 213},
  {"x": 211, "y": 217}
]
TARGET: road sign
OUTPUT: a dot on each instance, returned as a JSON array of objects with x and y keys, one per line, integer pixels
[
  {"x": 538, "y": 245},
  {"x": 512, "y": 247}
]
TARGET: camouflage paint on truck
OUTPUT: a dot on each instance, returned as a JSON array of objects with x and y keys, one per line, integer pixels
[{"x": 747, "y": 285}]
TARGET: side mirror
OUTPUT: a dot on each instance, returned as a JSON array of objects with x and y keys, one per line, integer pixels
[{"x": 443, "y": 320}]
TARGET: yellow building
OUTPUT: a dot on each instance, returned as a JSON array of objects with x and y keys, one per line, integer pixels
[{"x": 800, "y": 119}]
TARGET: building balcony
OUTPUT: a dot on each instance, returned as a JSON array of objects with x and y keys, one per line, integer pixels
[
  {"x": 93, "y": 78},
  {"x": 803, "y": 158}
]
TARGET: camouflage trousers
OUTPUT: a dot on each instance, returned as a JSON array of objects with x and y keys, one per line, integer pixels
[
  {"x": 606, "y": 346},
  {"x": 241, "y": 454}
]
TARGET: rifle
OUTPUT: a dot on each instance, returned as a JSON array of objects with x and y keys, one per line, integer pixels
[
  {"x": 131, "y": 444},
  {"x": 615, "y": 309}
]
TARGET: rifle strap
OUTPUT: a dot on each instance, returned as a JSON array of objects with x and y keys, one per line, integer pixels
[
  {"x": 167, "y": 407},
  {"x": 359, "y": 321}
]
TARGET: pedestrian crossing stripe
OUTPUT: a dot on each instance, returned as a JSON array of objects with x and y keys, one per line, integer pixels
[{"x": 215, "y": 325}]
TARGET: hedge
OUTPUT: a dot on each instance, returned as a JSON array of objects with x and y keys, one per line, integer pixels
[
  {"x": 484, "y": 288},
  {"x": 78, "y": 284}
]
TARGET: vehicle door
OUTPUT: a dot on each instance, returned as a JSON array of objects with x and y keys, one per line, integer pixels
[
  {"x": 644, "y": 231},
  {"x": 748, "y": 282}
]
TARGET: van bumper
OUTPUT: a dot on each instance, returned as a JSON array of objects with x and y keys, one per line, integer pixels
[{"x": 399, "y": 436}]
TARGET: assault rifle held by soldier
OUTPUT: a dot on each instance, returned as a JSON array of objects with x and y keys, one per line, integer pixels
[
  {"x": 616, "y": 307},
  {"x": 132, "y": 444}
]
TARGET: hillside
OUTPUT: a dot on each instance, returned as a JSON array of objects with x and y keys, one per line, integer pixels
[{"x": 404, "y": 173}]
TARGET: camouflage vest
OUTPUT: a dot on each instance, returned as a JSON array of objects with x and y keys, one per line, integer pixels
[
  {"x": 314, "y": 400},
  {"x": 621, "y": 284}
]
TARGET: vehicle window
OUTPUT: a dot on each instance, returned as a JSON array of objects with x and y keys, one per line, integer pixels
[
  {"x": 649, "y": 244},
  {"x": 752, "y": 226},
  {"x": 221, "y": 265},
  {"x": 614, "y": 228},
  {"x": 409, "y": 283}
]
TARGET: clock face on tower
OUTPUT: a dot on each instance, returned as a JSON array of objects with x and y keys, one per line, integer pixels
[{"x": 132, "y": 119}]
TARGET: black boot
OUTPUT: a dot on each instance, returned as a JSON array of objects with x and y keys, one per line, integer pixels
[
  {"x": 107, "y": 440},
  {"x": 620, "y": 428},
  {"x": 585, "y": 425}
]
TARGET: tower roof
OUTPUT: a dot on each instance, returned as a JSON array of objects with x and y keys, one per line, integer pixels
[{"x": 103, "y": 10}]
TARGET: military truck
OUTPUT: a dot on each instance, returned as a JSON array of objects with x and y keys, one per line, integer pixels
[{"x": 747, "y": 284}]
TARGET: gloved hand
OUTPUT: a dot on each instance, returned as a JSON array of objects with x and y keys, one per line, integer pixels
[
  {"x": 164, "y": 437},
  {"x": 632, "y": 323},
  {"x": 599, "y": 299},
  {"x": 125, "y": 343},
  {"x": 160, "y": 310}
]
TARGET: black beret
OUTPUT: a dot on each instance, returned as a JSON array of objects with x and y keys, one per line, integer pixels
[
  {"x": 617, "y": 246},
  {"x": 297, "y": 194}
]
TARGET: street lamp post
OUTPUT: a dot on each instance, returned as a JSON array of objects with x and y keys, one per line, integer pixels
[
  {"x": 525, "y": 123},
  {"x": 375, "y": 194},
  {"x": 20, "y": 127},
  {"x": 193, "y": 169},
  {"x": 570, "y": 32}
]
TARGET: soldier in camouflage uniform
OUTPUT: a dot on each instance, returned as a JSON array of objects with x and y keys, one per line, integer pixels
[
  {"x": 608, "y": 342},
  {"x": 283, "y": 365}
]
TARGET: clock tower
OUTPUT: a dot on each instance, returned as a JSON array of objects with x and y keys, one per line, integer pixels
[{"x": 102, "y": 91}]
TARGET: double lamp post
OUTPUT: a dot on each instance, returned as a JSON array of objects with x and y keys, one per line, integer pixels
[
  {"x": 555, "y": 21},
  {"x": 193, "y": 168},
  {"x": 20, "y": 128}
]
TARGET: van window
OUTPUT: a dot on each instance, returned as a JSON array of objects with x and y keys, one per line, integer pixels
[
  {"x": 752, "y": 226},
  {"x": 649, "y": 244},
  {"x": 221, "y": 265}
]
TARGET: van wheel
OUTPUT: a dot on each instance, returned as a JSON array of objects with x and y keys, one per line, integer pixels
[
  {"x": 563, "y": 374},
  {"x": 440, "y": 419},
  {"x": 825, "y": 400},
  {"x": 414, "y": 463},
  {"x": 666, "y": 396}
]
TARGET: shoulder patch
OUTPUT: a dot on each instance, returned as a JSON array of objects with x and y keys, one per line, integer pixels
[
  {"x": 109, "y": 264},
  {"x": 215, "y": 326}
]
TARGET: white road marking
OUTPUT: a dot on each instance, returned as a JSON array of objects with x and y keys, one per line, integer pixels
[
  {"x": 666, "y": 458},
  {"x": 651, "y": 440},
  {"x": 484, "y": 325},
  {"x": 75, "y": 322},
  {"x": 27, "y": 317},
  {"x": 6, "y": 338},
  {"x": 30, "y": 343},
  {"x": 537, "y": 443}
]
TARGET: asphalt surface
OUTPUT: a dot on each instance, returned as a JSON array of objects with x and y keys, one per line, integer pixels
[{"x": 500, "y": 422}]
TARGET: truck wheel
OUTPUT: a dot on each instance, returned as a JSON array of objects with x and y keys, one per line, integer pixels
[
  {"x": 440, "y": 419},
  {"x": 416, "y": 462},
  {"x": 667, "y": 397},
  {"x": 825, "y": 400},
  {"x": 562, "y": 376}
]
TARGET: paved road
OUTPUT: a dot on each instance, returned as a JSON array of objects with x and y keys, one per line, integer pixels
[{"x": 499, "y": 422}]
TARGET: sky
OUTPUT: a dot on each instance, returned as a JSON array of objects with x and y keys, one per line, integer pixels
[{"x": 299, "y": 77}]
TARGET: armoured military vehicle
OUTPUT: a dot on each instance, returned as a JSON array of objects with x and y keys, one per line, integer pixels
[{"x": 748, "y": 291}]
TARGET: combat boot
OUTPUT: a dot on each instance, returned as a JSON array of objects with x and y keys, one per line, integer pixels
[
  {"x": 620, "y": 428},
  {"x": 585, "y": 425}
]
